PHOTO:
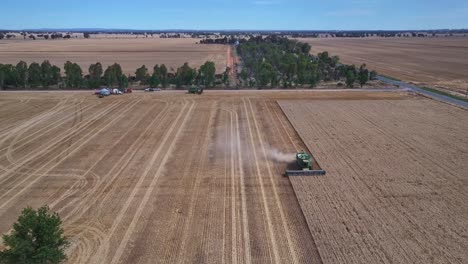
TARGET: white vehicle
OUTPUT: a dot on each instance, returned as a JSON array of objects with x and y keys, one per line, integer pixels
[{"x": 116, "y": 91}]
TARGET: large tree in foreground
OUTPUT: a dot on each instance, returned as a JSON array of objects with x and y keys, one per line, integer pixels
[{"x": 36, "y": 238}]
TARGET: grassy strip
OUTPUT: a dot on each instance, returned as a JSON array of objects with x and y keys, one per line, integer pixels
[
  {"x": 444, "y": 93},
  {"x": 390, "y": 77}
]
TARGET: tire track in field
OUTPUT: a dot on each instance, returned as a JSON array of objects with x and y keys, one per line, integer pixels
[
  {"x": 45, "y": 129},
  {"x": 266, "y": 208},
  {"x": 167, "y": 153},
  {"x": 6, "y": 130},
  {"x": 57, "y": 141},
  {"x": 102, "y": 251},
  {"x": 245, "y": 222},
  {"x": 86, "y": 195},
  {"x": 233, "y": 248},
  {"x": 11, "y": 148},
  {"x": 234, "y": 254},
  {"x": 99, "y": 198},
  {"x": 90, "y": 135},
  {"x": 30, "y": 122},
  {"x": 113, "y": 173},
  {"x": 284, "y": 223},
  {"x": 196, "y": 188}
]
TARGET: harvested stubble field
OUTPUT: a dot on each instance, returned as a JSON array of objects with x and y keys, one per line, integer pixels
[
  {"x": 129, "y": 53},
  {"x": 436, "y": 62},
  {"x": 173, "y": 178},
  {"x": 396, "y": 188}
]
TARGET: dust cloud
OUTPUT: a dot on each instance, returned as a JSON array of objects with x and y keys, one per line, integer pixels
[{"x": 279, "y": 156}]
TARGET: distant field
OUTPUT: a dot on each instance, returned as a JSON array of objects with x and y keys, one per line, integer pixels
[
  {"x": 437, "y": 62},
  {"x": 130, "y": 53}
]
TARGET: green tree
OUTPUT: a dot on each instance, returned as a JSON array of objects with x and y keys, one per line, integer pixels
[
  {"x": 142, "y": 75},
  {"x": 36, "y": 238},
  {"x": 55, "y": 74},
  {"x": 163, "y": 76},
  {"x": 21, "y": 74},
  {"x": 46, "y": 73},
  {"x": 154, "y": 80},
  {"x": 73, "y": 75},
  {"x": 8, "y": 76},
  {"x": 3, "y": 75},
  {"x": 34, "y": 74},
  {"x": 123, "y": 81},
  {"x": 95, "y": 75},
  {"x": 113, "y": 75},
  {"x": 350, "y": 78},
  {"x": 265, "y": 74},
  {"x": 207, "y": 74},
  {"x": 363, "y": 75},
  {"x": 244, "y": 75},
  {"x": 50, "y": 74},
  {"x": 185, "y": 75}
]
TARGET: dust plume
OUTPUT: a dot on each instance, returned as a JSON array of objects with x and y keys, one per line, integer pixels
[{"x": 279, "y": 156}]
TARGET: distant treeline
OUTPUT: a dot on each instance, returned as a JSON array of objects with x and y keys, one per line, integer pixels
[
  {"x": 239, "y": 33},
  {"x": 32, "y": 36},
  {"x": 48, "y": 76},
  {"x": 281, "y": 62}
]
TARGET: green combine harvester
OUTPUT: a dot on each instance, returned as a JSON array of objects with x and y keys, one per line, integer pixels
[
  {"x": 195, "y": 90},
  {"x": 304, "y": 164}
]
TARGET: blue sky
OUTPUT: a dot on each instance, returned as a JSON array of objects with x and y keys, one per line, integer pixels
[{"x": 235, "y": 14}]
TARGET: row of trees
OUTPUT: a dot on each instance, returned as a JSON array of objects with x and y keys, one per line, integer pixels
[
  {"x": 183, "y": 76},
  {"x": 46, "y": 75},
  {"x": 280, "y": 62}
]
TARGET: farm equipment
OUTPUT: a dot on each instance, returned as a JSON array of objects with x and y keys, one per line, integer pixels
[
  {"x": 304, "y": 164},
  {"x": 103, "y": 92},
  {"x": 195, "y": 90}
]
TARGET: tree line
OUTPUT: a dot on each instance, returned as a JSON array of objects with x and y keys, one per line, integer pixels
[
  {"x": 281, "y": 62},
  {"x": 46, "y": 75}
]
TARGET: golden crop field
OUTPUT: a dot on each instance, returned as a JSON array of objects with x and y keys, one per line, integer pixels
[
  {"x": 129, "y": 53},
  {"x": 184, "y": 178},
  {"x": 436, "y": 62}
]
